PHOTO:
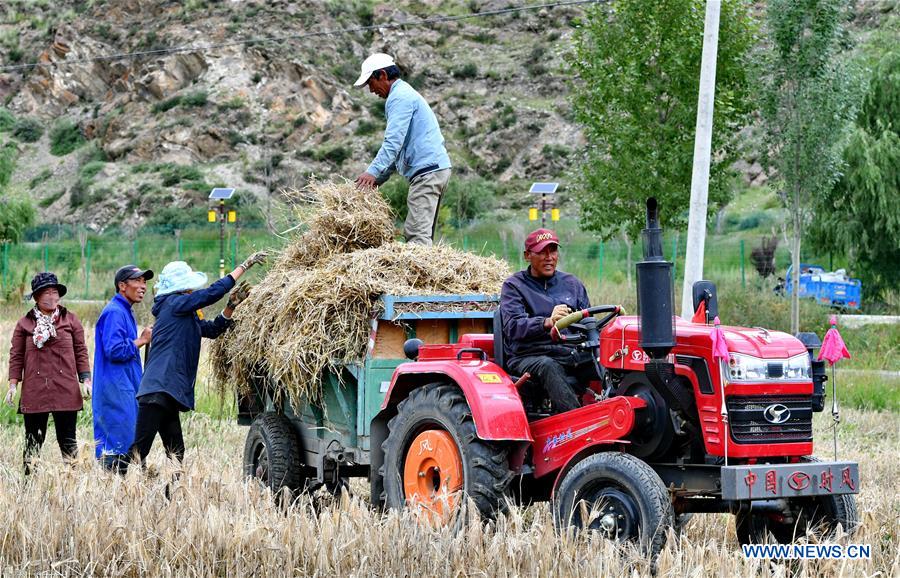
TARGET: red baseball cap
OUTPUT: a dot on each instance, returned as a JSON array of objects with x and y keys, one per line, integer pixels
[{"x": 537, "y": 240}]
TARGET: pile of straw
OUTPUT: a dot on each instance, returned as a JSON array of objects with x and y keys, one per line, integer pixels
[{"x": 312, "y": 310}]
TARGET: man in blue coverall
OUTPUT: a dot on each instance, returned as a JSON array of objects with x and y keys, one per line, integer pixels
[
  {"x": 531, "y": 302},
  {"x": 413, "y": 146},
  {"x": 117, "y": 368}
]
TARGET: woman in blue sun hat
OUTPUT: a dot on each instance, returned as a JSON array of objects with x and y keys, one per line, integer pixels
[{"x": 167, "y": 387}]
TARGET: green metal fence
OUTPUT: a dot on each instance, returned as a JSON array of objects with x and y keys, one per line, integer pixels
[{"x": 87, "y": 267}]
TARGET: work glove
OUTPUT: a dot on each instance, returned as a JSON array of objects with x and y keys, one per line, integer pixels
[
  {"x": 11, "y": 394},
  {"x": 254, "y": 259},
  {"x": 86, "y": 389},
  {"x": 238, "y": 295}
]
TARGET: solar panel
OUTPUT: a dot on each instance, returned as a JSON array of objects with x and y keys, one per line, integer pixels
[
  {"x": 544, "y": 188},
  {"x": 221, "y": 194}
]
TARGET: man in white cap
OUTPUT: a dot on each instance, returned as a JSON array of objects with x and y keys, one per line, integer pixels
[{"x": 413, "y": 146}]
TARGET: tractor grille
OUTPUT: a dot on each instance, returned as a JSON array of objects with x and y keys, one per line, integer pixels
[{"x": 748, "y": 423}]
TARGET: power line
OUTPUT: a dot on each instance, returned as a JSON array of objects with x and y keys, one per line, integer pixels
[{"x": 267, "y": 40}]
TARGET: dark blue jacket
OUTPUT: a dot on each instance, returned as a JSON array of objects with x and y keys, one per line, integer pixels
[
  {"x": 117, "y": 375},
  {"x": 175, "y": 346},
  {"x": 526, "y": 301}
]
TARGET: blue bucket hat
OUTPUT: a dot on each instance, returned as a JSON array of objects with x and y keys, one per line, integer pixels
[{"x": 178, "y": 276}]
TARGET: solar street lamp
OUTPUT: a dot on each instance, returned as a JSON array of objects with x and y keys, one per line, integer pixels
[
  {"x": 221, "y": 195},
  {"x": 544, "y": 189}
]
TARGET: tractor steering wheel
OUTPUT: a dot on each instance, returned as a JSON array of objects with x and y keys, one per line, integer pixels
[{"x": 611, "y": 311}]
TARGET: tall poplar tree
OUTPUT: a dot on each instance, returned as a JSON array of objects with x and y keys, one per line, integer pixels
[
  {"x": 636, "y": 68},
  {"x": 808, "y": 101}
]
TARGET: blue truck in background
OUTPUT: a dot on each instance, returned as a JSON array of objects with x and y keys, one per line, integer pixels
[{"x": 835, "y": 288}]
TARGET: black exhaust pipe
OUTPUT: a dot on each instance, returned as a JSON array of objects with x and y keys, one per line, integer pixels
[
  {"x": 654, "y": 286},
  {"x": 655, "y": 306}
]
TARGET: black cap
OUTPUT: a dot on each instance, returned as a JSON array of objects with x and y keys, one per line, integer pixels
[
  {"x": 44, "y": 280},
  {"x": 131, "y": 272}
]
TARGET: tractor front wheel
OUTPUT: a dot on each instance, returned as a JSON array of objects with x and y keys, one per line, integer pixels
[
  {"x": 819, "y": 514},
  {"x": 433, "y": 457},
  {"x": 617, "y": 495}
]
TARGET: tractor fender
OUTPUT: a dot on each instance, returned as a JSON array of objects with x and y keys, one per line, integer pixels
[
  {"x": 562, "y": 440},
  {"x": 492, "y": 397}
]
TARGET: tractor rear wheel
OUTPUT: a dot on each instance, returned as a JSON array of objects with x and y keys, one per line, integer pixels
[
  {"x": 433, "y": 457},
  {"x": 617, "y": 495},
  {"x": 272, "y": 454}
]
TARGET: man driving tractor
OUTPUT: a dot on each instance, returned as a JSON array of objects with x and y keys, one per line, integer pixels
[{"x": 531, "y": 302}]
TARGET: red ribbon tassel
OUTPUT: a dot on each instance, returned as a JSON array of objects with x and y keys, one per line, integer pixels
[
  {"x": 833, "y": 347},
  {"x": 719, "y": 346}
]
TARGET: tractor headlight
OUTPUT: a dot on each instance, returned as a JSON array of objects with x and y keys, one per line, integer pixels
[
  {"x": 746, "y": 368},
  {"x": 743, "y": 367},
  {"x": 798, "y": 368}
]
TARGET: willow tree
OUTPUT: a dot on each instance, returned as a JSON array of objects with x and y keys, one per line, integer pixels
[
  {"x": 808, "y": 101},
  {"x": 16, "y": 214},
  {"x": 636, "y": 68},
  {"x": 16, "y": 209},
  {"x": 860, "y": 216}
]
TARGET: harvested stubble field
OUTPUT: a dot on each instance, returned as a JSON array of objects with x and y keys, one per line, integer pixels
[{"x": 79, "y": 520}]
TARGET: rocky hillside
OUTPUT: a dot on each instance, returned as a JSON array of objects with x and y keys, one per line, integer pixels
[{"x": 110, "y": 142}]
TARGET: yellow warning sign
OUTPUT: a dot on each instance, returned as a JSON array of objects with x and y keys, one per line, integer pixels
[{"x": 489, "y": 378}]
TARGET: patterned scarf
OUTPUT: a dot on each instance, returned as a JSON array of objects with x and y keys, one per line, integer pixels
[{"x": 45, "y": 328}]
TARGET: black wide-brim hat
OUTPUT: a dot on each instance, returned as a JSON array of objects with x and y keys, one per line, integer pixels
[{"x": 44, "y": 280}]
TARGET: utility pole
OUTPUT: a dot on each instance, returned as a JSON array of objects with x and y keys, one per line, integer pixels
[
  {"x": 696, "y": 238},
  {"x": 221, "y": 238}
]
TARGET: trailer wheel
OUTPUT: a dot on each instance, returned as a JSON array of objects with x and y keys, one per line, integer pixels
[
  {"x": 820, "y": 514},
  {"x": 617, "y": 495},
  {"x": 433, "y": 456},
  {"x": 272, "y": 454}
]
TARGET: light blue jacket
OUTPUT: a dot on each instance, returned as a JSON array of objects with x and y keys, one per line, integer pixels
[{"x": 412, "y": 139}]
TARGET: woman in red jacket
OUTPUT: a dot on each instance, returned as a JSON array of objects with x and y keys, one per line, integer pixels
[{"x": 49, "y": 358}]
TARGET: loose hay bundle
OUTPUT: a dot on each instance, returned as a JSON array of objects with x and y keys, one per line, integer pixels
[
  {"x": 311, "y": 312},
  {"x": 342, "y": 219}
]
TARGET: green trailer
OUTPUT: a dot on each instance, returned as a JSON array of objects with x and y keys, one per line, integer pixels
[{"x": 303, "y": 448}]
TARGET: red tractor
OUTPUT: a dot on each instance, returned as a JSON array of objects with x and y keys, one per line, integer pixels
[{"x": 666, "y": 429}]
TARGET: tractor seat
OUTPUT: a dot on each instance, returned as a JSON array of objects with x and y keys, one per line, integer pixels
[{"x": 532, "y": 411}]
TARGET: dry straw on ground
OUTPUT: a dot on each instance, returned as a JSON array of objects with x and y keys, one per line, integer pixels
[
  {"x": 312, "y": 310},
  {"x": 81, "y": 521}
]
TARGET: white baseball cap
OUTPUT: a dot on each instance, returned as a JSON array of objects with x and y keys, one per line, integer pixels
[{"x": 375, "y": 62}]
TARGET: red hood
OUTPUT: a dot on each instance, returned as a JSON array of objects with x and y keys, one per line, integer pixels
[
  {"x": 758, "y": 342},
  {"x": 755, "y": 342}
]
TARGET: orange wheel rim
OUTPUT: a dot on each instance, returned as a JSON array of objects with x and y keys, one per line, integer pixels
[{"x": 433, "y": 472}]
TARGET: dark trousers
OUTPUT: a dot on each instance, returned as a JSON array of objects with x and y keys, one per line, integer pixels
[
  {"x": 550, "y": 372},
  {"x": 36, "y": 432},
  {"x": 153, "y": 418}
]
